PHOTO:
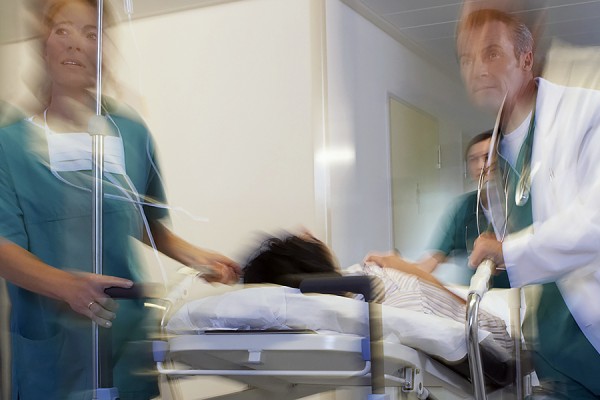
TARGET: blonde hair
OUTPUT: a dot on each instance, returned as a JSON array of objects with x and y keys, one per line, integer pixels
[{"x": 42, "y": 85}]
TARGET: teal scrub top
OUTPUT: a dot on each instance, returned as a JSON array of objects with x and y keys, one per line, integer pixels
[
  {"x": 51, "y": 344},
  {"x": 9, "y": 114},
  {"x": 458, "y": 230},
  {"x": 565, "y": 361}
]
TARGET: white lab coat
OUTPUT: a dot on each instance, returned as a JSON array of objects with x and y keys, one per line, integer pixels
[{"x": 563, "y": 245}]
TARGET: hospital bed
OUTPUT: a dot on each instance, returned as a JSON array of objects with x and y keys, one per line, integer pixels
[{"x": 284, "y": 344}]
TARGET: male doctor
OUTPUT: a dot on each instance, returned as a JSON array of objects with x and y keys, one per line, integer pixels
[{"x": 547, "y": 163}]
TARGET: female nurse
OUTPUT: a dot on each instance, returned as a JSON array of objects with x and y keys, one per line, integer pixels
[{"x": 45, "y": 225}]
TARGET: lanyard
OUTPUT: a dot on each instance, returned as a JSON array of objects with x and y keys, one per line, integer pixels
[{"x": 523, "y": 188}]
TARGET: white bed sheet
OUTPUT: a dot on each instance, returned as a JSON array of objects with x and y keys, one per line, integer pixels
[{"x": 275, "y": 307}]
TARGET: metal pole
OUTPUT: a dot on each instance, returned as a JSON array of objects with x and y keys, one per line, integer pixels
[
  {"x": 97, "y": 198},
  {"x": 515, "y": 322},
  {"x": 99, "y": 59},
  {"x": 479, "y": 286},
  {"x": 377, "y": 355},
  {"x": 474, "y": 356}
]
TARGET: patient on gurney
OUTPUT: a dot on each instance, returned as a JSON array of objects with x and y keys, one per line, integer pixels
[
  {"x": 280, "y": 258},
  {"x": 417, "y": 313}
]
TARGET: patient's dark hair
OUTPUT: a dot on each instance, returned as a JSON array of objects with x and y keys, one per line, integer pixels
[{"x": 279, "y": 258}]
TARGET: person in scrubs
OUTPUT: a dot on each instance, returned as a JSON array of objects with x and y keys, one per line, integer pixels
[
  {"x": 548, "y": 172},
  {"x": 460, "y": 225},
  {"x": 45, "y": 225}
]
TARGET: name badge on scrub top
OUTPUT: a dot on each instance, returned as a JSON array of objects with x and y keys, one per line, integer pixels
[{"x": 73, "y": 152}]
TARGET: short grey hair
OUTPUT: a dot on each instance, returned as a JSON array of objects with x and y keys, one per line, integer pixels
[{"x": 522, "y": 38}]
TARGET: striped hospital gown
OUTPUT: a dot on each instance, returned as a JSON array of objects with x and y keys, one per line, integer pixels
[{"x": 411, "y": 293}]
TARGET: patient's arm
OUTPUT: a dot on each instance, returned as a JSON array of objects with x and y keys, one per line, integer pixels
[
  {"x": 396, "y": 262},
  {"x": 430, "y": 262}
]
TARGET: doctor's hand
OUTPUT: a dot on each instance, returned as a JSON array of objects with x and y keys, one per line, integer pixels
[
  {"x": 84, "y": 292},
  {"x": 486, "y": 247}
]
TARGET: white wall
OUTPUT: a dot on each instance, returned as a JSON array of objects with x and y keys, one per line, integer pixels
[
  {"x": 229, "y": 93},
  {"x": 365, "y": 66}
]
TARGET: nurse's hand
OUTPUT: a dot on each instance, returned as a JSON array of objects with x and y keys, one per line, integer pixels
[
  {"x": 216, "y": 267},
  {"x": 84, "y": 293},
  {"x": 486, "y": 247}
]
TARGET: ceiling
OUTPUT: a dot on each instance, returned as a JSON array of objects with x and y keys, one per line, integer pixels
[
  {"x": 425, "y": 26},
  {"x": 12, "y": 13},
  {"x": 428, "y": 26}
]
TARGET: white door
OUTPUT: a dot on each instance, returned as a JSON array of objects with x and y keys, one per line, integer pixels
[{"x": 415, "y": 164}]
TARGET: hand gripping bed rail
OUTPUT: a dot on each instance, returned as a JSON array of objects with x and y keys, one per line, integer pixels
[{"x": 479, "y": 285}]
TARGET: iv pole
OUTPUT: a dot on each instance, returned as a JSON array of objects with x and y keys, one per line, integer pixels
[{"x": 101, "y": 351}]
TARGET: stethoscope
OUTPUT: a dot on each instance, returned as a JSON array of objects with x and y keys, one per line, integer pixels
[{"x": 523, "y": 187}]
